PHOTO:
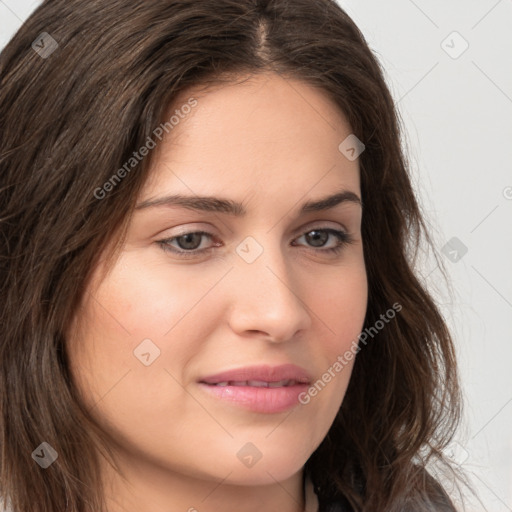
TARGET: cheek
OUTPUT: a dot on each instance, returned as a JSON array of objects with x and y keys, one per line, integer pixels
[
  {"x": 146, "y": 298},
  {"x": 139, "y": 300},
  {"x": 339, "y": 307}
]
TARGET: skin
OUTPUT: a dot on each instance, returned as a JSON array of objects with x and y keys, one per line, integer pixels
[{"x": 271, "y": 144}]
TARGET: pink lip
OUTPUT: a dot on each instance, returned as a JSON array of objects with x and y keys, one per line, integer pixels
[
  {"x": 259, "y": 399},
  {"x": 263, "y": 372}
]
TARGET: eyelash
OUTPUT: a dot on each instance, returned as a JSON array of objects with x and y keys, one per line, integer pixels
[{"x": 343, "y": 240}]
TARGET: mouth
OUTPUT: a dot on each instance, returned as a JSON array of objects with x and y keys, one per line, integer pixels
[
  {"x": 260, "y": 376},
  {"x": 257, "y": 383},
  {"x": 261, "y": 389}
]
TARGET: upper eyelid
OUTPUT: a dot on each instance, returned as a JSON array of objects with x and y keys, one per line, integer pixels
[{"x": 309, "y": 226}]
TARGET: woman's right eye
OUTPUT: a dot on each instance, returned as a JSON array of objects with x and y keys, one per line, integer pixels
[{"x": 188, "y": 243}]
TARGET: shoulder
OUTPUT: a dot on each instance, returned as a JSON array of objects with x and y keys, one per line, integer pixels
[
  {"x": 433, "y": 498},
  {"x": 438, "y": 503}
]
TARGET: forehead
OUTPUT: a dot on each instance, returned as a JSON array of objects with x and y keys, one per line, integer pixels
[{"x": 268, "y": 134}]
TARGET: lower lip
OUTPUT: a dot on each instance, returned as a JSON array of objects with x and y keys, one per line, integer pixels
[{"x": 263, "y": 400}]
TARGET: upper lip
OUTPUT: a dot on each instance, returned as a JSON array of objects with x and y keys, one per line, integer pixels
[{"x": 265, "y": 373}]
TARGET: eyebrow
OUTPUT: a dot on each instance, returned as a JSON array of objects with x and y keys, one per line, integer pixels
[{"x": 222, "y": 205}]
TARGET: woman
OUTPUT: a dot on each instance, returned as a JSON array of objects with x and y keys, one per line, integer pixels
[{"x": 209, "y": 300}]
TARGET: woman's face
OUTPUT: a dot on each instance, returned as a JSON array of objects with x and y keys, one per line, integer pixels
[{"x": 260, "y": 290}]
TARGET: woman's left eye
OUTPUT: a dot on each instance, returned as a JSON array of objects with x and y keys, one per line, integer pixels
[{"x": 189, "y": 243}]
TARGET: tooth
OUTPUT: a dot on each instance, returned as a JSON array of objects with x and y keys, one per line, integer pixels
[
  {"x": 279, "y": 384},
  {"x": 257, "y": 383}
]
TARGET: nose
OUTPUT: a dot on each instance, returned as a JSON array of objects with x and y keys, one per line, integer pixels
[{"x": 267, "y": 300}]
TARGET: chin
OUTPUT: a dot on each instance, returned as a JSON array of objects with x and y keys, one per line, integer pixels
[{"x": 267, "y": 472}]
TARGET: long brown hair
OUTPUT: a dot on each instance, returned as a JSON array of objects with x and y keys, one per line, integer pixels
[{"x": 74, "y": 107}]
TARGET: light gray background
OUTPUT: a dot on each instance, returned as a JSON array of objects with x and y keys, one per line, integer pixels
[{"x": 457, "y": 114}]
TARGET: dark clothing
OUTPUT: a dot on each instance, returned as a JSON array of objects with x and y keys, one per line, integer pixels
[
  {"x": 438, "y": 501},
  {"x": 334, "y": 506}
]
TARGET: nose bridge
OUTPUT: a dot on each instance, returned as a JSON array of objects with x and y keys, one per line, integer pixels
[{"x": 266, "y": 298}]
